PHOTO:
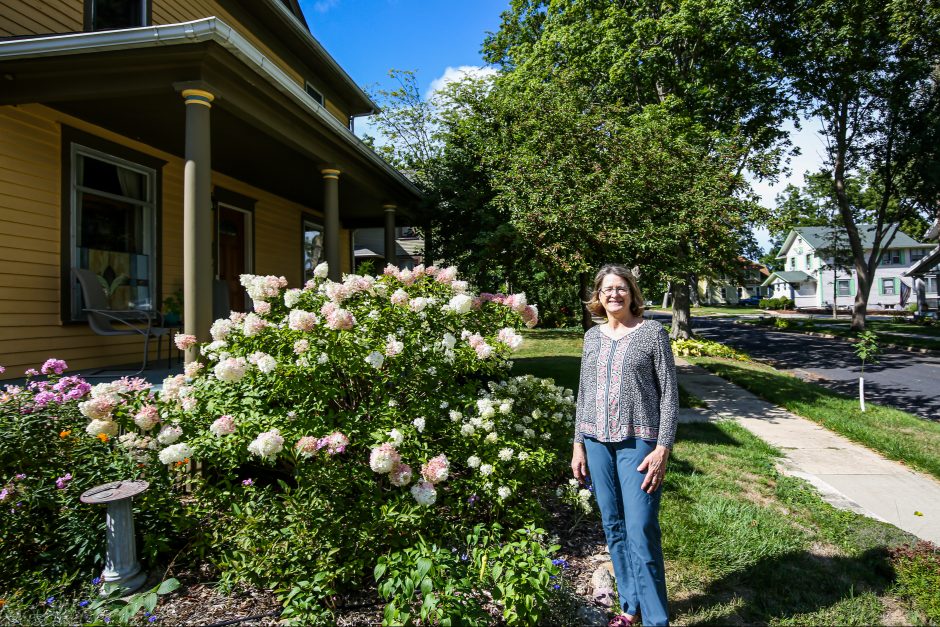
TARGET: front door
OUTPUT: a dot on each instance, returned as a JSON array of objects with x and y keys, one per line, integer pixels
[{"x": 234, "y": 240}]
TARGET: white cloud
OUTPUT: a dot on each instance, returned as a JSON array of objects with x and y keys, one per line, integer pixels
[
  {"x": 322, "y": 6},
  {"x": 453, "y": 74}
]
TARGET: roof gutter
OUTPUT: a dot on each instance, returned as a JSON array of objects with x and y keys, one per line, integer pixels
[
  {"x": 206, "y": 29},
  {"x": 311, "y": 42}
]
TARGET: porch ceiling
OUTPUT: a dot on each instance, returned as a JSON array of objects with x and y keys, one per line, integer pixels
[{"x": 259, "y": 135}]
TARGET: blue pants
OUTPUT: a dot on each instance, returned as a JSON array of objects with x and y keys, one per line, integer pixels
[{"x": 631, "y": 524}]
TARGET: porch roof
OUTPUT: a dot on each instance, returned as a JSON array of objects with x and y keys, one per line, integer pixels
[
  {"x": 266, "y": 129},
  {"x": 791, "y": 276},
  {"x": 926, "y": 265}
]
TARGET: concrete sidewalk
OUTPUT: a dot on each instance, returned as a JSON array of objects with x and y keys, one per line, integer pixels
[{"x": 847, "y": 475}]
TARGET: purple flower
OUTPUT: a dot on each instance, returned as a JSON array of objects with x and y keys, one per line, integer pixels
[
  {"x": 557, "y": 586},
  {"x": 4, "y": 493},
  {"x": 560, "y": 562},
  {"x": 2, "y": 369},
  {"x": 50, "y": 600},
  {"x": 96, "y": 581},
  {"x": 62, "y": 482},
  {"x": 32, "y": 372},
  {"x": 473, "y": 499},
  {"x": 21, "y": 476},
  {"x": 83, "y": 604},
  {"x": 57, "y": 366},
  {"x": 45, "y": 397},
  {"x": 152, "y": 619},
  {"x": 248, "y": 482}
]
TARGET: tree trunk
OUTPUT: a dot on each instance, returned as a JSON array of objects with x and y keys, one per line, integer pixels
[
  {"x": 584, "y": 295},
  {"x": 862, "y": 289},
  {"x": 693, "y": 290},
  {"x": 666, "y": 295},
  {"x": 681, "y": 311}
]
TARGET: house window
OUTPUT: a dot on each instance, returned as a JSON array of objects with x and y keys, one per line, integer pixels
[
  {"x": 891, "y": 258},
  {"x": 931, "y": 282},
  {"x": 313, "y": 251},
  {"x": 740, "y": 293},
  {"x": 314, "y": 93},
  {"x": 917, "y": 254},
  {"x": 724, "y": 293},
  {"x": 843, "y": 287},
  {"x": 809, "y": 261},
  {"x": 113, "y": 229},
  {"x": 115, "y": 14},
  {"x": 887, "y": 286},
  {"x": 793, "y": 263}
]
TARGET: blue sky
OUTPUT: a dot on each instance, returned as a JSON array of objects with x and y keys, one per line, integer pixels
[{"x": 438, "y": 37}]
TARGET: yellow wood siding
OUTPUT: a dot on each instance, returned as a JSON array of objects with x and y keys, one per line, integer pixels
[
  {"x": 337, "y": 113},
  {"x": 28, "y": 17},
  {"x": 30, "y": 329},
  {"x": 174, "y": 11}
]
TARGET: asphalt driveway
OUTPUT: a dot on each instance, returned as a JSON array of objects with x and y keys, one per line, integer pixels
[{"x": 906, "y": 380}]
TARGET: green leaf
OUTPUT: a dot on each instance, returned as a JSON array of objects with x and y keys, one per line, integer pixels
[
  {"x": 379, "y": 570},
  {"x": 168, "y": 586}
]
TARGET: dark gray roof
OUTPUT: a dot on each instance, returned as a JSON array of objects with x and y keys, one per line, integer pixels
[{"x": 821, "y": 236}]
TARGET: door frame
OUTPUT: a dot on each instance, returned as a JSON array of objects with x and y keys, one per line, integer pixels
[{"x": 243, "y": 204}]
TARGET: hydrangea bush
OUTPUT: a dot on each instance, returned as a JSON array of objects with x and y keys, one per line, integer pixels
[{"x": 337, "y": 423}]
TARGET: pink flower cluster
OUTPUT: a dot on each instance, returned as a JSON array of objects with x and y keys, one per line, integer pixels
[
  {"x": 261, "y": 288},
  {"x": 58, "y": 366},
  {"x": 147, "y": 417},
  {"x": 479, "y": 345},
  {"x": 516, "y": 302},
  {"x": 63, "y": 482},
  {"x": 254, "y": 324},
  {"x": 64, "y": 390},
  {"x": 300, "y": 320},
  {"x": 184, "y": 341},
  {"x": 334, "y": 443},
  {"x": 223, "y": 425},
  {"x": 384, "y": 458},
  {"x": 510, "y": 338},
  {"x": 336, "y": 318},
  {"x": 436, "y": 470},
  {"x": 261, "y": 307}
]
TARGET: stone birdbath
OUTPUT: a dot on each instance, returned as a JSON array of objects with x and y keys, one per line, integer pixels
[{"x": 120, "y": 565}]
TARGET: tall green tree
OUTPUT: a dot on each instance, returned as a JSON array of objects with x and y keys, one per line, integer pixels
[
  {"x": 865, "y": 68},
  {"x": 707, "y": 64}
]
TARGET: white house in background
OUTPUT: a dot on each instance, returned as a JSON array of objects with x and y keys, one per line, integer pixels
[
  {"x": 809, "y": 279},
  {"x": 924, "y": 272}
]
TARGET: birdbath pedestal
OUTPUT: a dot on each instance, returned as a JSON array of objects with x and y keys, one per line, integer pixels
[{"x": 120, "y": 565}]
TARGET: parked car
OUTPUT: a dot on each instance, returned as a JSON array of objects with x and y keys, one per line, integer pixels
[{"x": 753, "y": 301}]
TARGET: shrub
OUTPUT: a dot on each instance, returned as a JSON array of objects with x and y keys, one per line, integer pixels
[
  {"x": 918, "y": 576},
  {"x": 47, "y": 459},
  {"x": 335, "y": 424},
  {"x": 705, "y": 348},
  {"x": 778, "y": 303}
]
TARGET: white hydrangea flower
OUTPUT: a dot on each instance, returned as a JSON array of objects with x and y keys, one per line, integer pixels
[
  {"x": 418, "y": 424},
  {"x": 503, "y": 492},
  {"x": 505, "y": 454},
  {"x": 505, "y": 407},
  {"x": 322, "y": 270},
  {"x": 449, "y": 341},
  {"x": 175, "y": 453},
  {"x": 473, "y": 461},
  {"x": 486, "y": 470},
  {"x": 460, "y": 304},
  {"x": 491, "y": 438},
  {"x": 169, "y": 434},
  {"x": 455, "y": 416},
  {"x": 418, "y": 304},
  {"x": 323, "y": 358},
  {"x": 266, "y": 364},
  {"x": 529, "y": 433},
  {"x": 375, "y": 359},
  {"x": 396, "y": 437},
  {"x": 524, "y": 456},
  {"x": 267, "y": 445},
  {"x": 467, "y": 430},
  {"x": 107, "y": 427},
  {"x": 424, "y": 493}
]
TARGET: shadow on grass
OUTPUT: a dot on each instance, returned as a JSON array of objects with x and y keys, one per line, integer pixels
[
  {"x": 790, "y": 585},
  {"x": 704, "y": 433},
  {"x": 564, "y": 370}
]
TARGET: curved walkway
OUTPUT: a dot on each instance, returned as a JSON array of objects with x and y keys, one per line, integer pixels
[{"x": 847, "y": 475}]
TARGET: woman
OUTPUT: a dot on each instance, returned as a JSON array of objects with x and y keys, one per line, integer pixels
[{"x": 625, "y": 426}]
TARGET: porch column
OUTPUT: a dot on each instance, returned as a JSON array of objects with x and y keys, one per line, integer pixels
[
  {"x": 197, "y": 219},
  {"x": 331, "y": 221},
  {"x": 390, "y": 255}
]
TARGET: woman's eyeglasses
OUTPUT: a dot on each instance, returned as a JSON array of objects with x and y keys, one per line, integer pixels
[{"x": 607, "y": 291}]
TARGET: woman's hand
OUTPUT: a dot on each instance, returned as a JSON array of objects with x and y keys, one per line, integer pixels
[
  {"x": 578, "y": 462},
  {"x": 655, "y": 466}
]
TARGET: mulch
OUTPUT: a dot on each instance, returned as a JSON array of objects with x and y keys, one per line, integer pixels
[{"x": 198, "y": 601}]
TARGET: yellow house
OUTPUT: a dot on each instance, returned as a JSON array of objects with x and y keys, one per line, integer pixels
[{"x": 170, "y": 146}]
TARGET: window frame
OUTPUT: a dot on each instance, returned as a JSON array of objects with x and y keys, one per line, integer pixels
[
  {"x": 316, "y": 94},
  {"x": 89, "y": 15},
  {"x": 310, "y": 218},
  {"x": 927, "y": 282},
  {"x": 885, "y": 282},
  {"x": 848, "y": 287},
  {"x": 96, "y": 147}
]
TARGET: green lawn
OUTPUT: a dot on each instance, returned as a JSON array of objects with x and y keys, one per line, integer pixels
[
  {"x": 894, "y": 433},
  {"x": 744, "y": 544},
  {"x": 840, "y": 328}
]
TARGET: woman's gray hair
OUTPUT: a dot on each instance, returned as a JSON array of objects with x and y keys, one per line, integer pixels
[{"x": 630, "y": 276}]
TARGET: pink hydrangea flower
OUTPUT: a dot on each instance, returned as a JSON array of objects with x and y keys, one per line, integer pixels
[
  {"x": 300, "y": 320},
  {"x": 261, "y": 307},
  {"x": 340, "y": 320},
  {"x": 424, "y": 493},
  {"x": 384, "y": 458},
  {"x": 530, "y": 315},
  {"x": 510, "y": 338},
  {"x": 254, "y": 324},
  {"x": 307, "y": 446},
  {"x": 184, "y": 341},
  {"x": 147, "y": 417},
  {"x": 436, "y": 470},
  {"x": 399, "y": 297},
  {"x": 393, "y": 347},
  {"x": 336, "y": 443},
  {"x": 446, "y": 275},
  {"x": 223, "y": 425},
  {"x": 400, "y": 475}
]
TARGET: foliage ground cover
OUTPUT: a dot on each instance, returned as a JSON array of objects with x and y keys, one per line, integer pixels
[
  {"x": 895, "y": 434},
  {"x": 746, "y": 545},
  {"x": 334, "y": 428}
]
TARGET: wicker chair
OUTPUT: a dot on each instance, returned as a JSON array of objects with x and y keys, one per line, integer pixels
[{"x": 102, "y": 319}]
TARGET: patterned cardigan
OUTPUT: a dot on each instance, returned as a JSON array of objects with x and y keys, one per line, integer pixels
[{"x": 628, "y": 387}]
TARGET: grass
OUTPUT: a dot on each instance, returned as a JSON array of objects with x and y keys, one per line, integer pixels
[
  {"x": 894, "y": 433},
  {"x": 746, "y": 545}
]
